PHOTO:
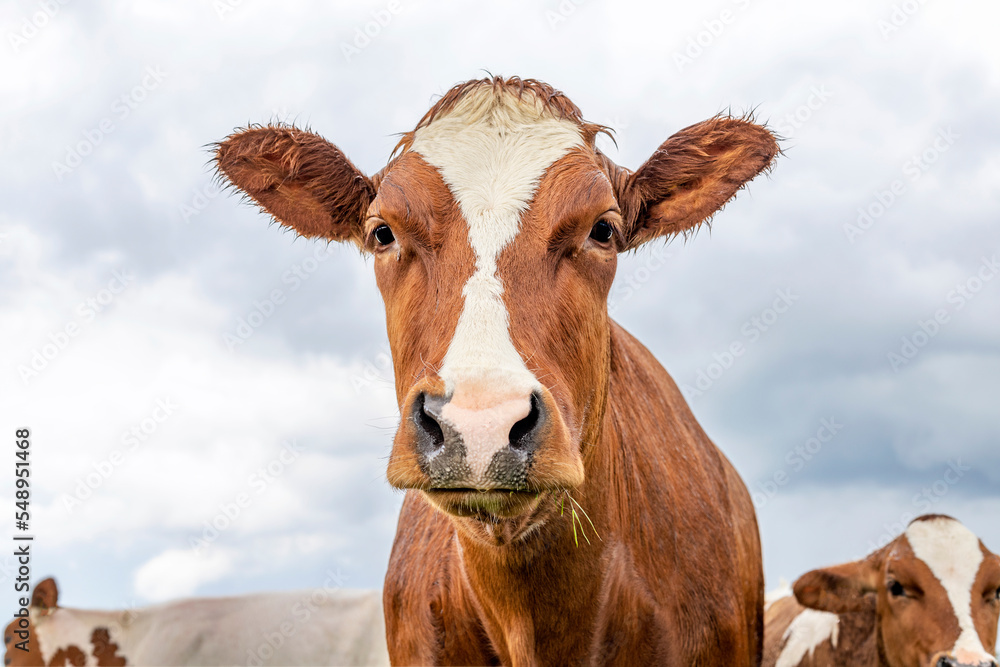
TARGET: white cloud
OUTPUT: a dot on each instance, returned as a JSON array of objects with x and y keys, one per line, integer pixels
[{"x": 178, "y": 573}]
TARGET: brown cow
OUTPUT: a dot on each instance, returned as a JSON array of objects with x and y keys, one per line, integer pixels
[
  {"x": 563, "y": 505},
  {"x": 929, "y": 598}
]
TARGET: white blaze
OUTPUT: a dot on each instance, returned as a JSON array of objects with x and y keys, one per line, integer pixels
[
  {"x": 491, "y": 150},
  {"x": 952, "y": 553},
  {"x": 807, "y": 631}
]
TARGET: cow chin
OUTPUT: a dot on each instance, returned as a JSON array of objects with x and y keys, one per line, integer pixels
[
  {"x": 491, "y": 463},
  {"x": 489, "y": 506},
  {"x": 498, "y": 519}
]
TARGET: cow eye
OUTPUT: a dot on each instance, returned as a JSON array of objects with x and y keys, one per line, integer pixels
[
  {"x": 896, "y": 589},
  {"x": 601, "y": 232},
  {"x": 383, "y": 235}
]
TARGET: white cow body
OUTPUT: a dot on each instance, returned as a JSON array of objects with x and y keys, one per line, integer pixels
[{"x": 319, "y": 627}]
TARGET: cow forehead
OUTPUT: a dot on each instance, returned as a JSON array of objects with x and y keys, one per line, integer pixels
[
  {"x": 952, "y": 553},
  {"x": 949, "y": 549},
  {"x": 491, "y": 149}
]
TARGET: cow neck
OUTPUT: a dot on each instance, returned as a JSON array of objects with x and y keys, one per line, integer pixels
[{"x": 546, "y": 587}]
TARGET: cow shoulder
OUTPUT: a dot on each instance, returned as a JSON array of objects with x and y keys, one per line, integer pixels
[{"x": 630, "y": 629}]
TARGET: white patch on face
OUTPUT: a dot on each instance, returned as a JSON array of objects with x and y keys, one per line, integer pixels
[
  {"x": 809, "y": 629},
  {"x": 491, "y": 152},
  {"x": 952, "y": 553}
]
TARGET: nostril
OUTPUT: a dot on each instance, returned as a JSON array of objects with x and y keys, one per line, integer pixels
[
  {"x": 521, "y": 432},
  {"x": 428, "y": 425}
]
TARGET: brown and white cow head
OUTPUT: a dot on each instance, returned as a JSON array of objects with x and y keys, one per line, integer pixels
[
  {"x": 495, "y": 231},
  {"x": 935, "y": 590}
]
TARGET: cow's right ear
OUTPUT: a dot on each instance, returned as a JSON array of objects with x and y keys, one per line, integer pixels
[
  {"x": 46, "y": 594},
  {"x": 298, "y": 177},
  {"x": 838, "y": 589}
]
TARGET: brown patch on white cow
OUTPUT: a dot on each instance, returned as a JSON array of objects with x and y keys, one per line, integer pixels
[
  {"x": 105, "y": 650},
  {"x": 69, "y": 655}
]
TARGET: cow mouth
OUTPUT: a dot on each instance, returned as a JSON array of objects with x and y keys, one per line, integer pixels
[{"x": 485, "y": 505}]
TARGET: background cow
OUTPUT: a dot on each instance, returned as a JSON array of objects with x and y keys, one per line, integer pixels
[
  {"x": 563, "y": 505},
  {"x": 929, "y": 598},
  {"x": 319, "y": 627}
]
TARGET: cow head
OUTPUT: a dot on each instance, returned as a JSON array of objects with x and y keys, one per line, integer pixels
[
  {"x": 935, "y": 590},
  {"x": 495, "y": 231}
]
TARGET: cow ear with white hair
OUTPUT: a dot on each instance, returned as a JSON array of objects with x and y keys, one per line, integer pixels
[
  {"x": 300, "y": 178},
  {"x": 691, "y": 176},
  {"x": 841, "y": 588}
]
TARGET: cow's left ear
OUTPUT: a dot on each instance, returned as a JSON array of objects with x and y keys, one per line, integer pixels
[
  {"x": 839, "y": 589},
  {"x": 692, "y": 175}
]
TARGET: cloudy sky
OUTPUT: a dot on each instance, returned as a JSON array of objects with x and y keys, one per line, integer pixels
[{"x": 181, "y": 362}]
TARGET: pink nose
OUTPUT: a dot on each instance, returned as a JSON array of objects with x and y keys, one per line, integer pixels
[{"x": 480, "y": 447}]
